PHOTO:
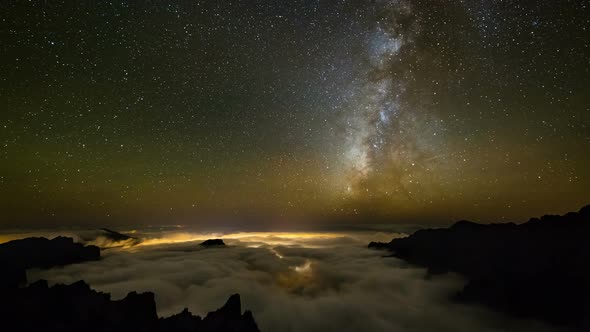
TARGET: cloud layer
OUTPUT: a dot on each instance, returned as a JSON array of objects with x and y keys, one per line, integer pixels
[{"x": 304, "y": 282}]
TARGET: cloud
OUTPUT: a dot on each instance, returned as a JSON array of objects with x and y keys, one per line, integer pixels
[{"x": 291, "y": 283}]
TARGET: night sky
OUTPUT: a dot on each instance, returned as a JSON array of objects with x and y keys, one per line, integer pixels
[{"x": 171, "y": 112}]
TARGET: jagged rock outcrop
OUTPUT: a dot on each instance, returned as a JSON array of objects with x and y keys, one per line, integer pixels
[
  {"x": 213, "y": 243},
  {"x": 227, "y": 318},
  {"x": 182, "y": 322},
  {"x": 539, "y": 269},
  {"x": 37, "y": 252},
  {"x": 77, "y": 307}
]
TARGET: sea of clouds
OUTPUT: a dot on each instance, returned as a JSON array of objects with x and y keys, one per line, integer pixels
[{"x": 290, "y": 281}]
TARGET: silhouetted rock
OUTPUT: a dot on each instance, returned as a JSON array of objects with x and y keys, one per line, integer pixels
[
  {"x": 115, "y": 237},
  {"x": 182, "y": 322},
  {"x": 213, "y": 243},
  {"x": 227, "y": 318},
  {"x": 539, "y": 269},
  {"x": 37, "y": 252},
  {"x": 76, "y": 307},
  {"x": 378, "y": 245}
]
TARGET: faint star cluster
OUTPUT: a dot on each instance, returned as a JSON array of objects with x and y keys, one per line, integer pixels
[{"x": 162, "y": 111}]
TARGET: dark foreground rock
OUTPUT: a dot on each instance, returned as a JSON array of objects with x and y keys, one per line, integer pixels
[
  {"x": 76, "y": 307},
  {"x": 539, "y": 269},
  {"x": 37, "y": 252},
  {"x": 213, "y": 243}
]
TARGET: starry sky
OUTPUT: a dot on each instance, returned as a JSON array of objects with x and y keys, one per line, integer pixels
[{"x": 391, "y": 110}]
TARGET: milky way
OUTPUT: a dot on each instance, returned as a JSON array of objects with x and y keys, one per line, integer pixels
[
  {"x": 390, "y": 136},
  {"x": 174, "y": 112}
]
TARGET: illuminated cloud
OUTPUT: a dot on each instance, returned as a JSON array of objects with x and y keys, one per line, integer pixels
[{"x": 292, "y": 282}]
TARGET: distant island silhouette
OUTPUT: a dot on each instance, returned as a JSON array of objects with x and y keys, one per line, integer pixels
[
  {"x": 119, "y": 237},
  {"x": 76, "y": 307},
  {"x": 213, "y": 243},
  {"x": 539, "y": 269}
]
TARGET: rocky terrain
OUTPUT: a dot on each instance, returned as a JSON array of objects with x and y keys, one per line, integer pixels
[
  {"x": 37, "y": 252},
  {"x": 77, "y": 307},
  {"x": 539, "y": 269}
]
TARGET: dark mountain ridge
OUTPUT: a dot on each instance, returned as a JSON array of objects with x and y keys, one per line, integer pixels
[
  {"x": 77, "y": 307},
  {"x": 37, "y": 252},
  {"x": 539, "y": 269}
]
